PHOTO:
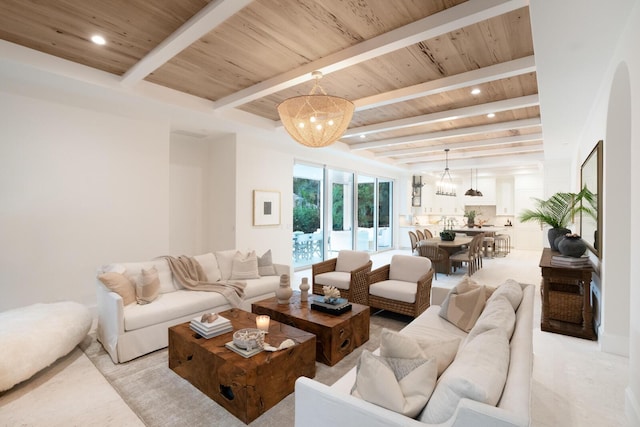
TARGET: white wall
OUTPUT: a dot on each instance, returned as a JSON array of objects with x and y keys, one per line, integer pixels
[{"x": 78, "y": 189}]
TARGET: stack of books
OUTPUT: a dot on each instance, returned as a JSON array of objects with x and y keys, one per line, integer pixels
[
  {"x": 211, "y": 329},
  {"x": 339, "y": 306},
  {"x": 570, "y": 262}
]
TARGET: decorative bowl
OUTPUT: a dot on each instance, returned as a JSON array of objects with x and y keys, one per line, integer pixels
[{"x": 248, "y": 338}]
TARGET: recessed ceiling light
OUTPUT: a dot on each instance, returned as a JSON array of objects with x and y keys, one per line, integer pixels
[
  {"x": 491, "y": 115},
  {"x": 475, "y": 91},
  {"x": 363, "y": 136},
  {"x": 98, "y": 40}
]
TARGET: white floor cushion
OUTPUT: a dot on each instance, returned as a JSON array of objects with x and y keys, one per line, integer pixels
[{"x": 33, "y": 337}]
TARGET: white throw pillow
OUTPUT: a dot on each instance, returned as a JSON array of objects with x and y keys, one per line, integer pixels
[
  {"x": 225, "y": 262},
  {"x": 511, "y": 290},
  {"x": 478, "y": 372},
  {"x": 265, "y": 265},
  {"x": 399, "y": 345},
  {"x": 209, "y": 265},
  {"x": 245, "y": 266},
  {"x": 398, "y": 384}
]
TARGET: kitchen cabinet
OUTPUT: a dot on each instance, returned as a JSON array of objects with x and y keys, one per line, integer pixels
[{"x": 504, "y": 197}]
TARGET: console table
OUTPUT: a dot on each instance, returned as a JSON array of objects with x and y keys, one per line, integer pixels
[{"x": 566, "y": 299}]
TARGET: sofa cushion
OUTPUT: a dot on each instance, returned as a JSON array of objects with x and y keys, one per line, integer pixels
[
  {"x": 209, "y": 265},
  {"x": 261, "y": 286},
  {"x": 265, "y": 265},
  {"x": 497, "y": 313},
  {"x": 511, "y": 290},
  {"x": 467, "y": 283},
  {"x": 149, "y": 288},
  {"x": 408, "y": 268},
  {"x": 463, "y": 309},
  {"x": 396, "y": 345},
  {"x": 338, "y": 279},
  {"x": 134, "y": 271},
  {"x": 478, "y": 372},
  {"x": 120, "y": 284},
  {"x": 401, "y": 385},
  {"x": 244, "y": 266},
  {"x": 430, "y": 324},
  {"x": 350, "y": 260},
  {"x": 169, "y": 306},
  {"x": 225, "y": 262},
  {"x": 395, "y": 290}
]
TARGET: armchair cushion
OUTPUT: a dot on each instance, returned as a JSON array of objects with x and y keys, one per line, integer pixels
[
  {"x": 396, "y": 290},
  {"x": 408, "y": 268},
  {"x": 338, "y": 279},
  {"x": 350, "y": 260}
]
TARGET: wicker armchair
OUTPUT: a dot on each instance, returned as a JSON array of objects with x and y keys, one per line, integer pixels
[
  {"x": 349, "y": 268},
  {"x": 404, "y": 286}
]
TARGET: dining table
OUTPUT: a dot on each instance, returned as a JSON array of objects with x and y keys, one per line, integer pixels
[{"x": 451, "y": 246}]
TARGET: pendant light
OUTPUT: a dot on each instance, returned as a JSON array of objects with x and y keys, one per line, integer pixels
[
  {"x": 478, "y": 192},
  {"x": 471, "y": 192},
  {"x": 446, "y": 187}
]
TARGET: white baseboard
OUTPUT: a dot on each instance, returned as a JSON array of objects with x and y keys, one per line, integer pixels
[
  {"x": 632, "y": 407},
  {"x": 614, "y": 344}
]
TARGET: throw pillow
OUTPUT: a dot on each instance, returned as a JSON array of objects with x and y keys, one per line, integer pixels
[
  {"x": 397, "y": 345},
  {"x": 245, "y": 266},
  {"x": 497, "y": 313},
  {"x": 225, "y": 262},
  {"x": 149, "y": 288},
  {"x": 467, "y": 283},
  {"x": 479, "y": 373},
  {"x": 209, "y": 265},
  {"x": 265, "y": 265},
  {"x": 120, "y": 284},
  {"x": 511, "y": 290},
  {"x": 463, "y": 309},
  {"x": 400, "y": 385}
]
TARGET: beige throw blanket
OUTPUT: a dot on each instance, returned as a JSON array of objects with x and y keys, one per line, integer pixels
[{"x": 189, "y": 273}]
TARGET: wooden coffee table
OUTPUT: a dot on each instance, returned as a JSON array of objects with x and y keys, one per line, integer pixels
[
  {"x": 336, "y": 336},
  {"x": 246, "y": 387}
]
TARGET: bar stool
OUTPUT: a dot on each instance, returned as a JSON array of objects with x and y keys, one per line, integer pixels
[
  {"x": 502, "y": 244},
  {"x": 489, "y": 245}
]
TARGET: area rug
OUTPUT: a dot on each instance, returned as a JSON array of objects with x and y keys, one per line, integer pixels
[{"x": 160, "y": 397}]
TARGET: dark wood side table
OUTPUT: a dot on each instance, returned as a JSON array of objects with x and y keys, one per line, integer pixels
[{"x": 566, "y": 299}]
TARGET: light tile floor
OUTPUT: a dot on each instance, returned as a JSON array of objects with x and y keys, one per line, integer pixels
[{"x": 574, "y": 384}]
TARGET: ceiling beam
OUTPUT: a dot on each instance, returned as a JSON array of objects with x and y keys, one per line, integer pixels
[
  {"x": 470, "y": 78},
  {"x": 489, "y": 162},
  {"x": 453, "y": 18},
  {"x": 462, "y": 145},
  {"x": 203, "y": 22},
  {"x": 474, "y": 154},
  {"x": 443, "y": 116}
]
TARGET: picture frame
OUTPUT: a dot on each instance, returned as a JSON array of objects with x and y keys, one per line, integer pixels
[{"x": 266, "y": 207}]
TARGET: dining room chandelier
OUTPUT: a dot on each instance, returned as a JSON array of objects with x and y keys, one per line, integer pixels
[
  {"x": 446, "y": 187},
  {"x": 316, "y": 120}
]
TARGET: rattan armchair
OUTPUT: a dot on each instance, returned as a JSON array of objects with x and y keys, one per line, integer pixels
[
  {"x": 342, "y": 272},
  {"x": 403, "y": 286}
]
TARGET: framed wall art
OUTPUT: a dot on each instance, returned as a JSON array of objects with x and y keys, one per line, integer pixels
[{"x": 266, "y": 207}]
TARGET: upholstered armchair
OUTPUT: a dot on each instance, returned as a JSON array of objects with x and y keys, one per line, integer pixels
[
  {"x": 403, "y": 286},
  {"x": 342, "y": 272}
]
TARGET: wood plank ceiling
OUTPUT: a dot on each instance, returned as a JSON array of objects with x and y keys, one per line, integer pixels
[{"x": 409, "y": 65}]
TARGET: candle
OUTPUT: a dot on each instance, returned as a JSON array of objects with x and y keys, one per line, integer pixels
[{"x": 262, "y": 323}]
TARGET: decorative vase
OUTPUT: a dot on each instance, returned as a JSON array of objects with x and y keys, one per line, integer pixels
[
  {"x": 558, "y": 240},
  {"x": 284, "y": 291},
  {"x": 304, "y": 289},
  {"x": 572, "y": 245},
  {"x": 553, "y": 233}
]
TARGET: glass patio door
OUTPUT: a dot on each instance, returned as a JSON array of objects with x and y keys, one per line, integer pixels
[
  {"x": 340, "y": 208},
  {"x": 308, "y": 235}
]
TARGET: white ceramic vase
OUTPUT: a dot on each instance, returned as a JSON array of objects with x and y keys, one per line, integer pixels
[
  {"x": 284, "y": 291},
  {"x": 304, "y": 289}
]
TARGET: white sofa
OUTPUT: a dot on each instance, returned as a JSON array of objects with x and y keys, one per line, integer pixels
[
  {"x": 320, "y": 405},
  {"x": 130, "y": 331}
]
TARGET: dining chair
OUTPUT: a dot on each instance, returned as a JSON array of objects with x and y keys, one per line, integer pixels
[
  {"x": 420, "y": 235},
  {"x": 413, "y": 237},
  {"x": 472, "y": 256},
  {"x": 427, "y": 234},
  {"x": 403, "y": 286},
  {"x": 438, "y": 256},
  {"x": 344, "y": 272}
]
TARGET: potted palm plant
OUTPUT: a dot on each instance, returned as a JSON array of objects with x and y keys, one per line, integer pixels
[{"x": 558, "y": 210}]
